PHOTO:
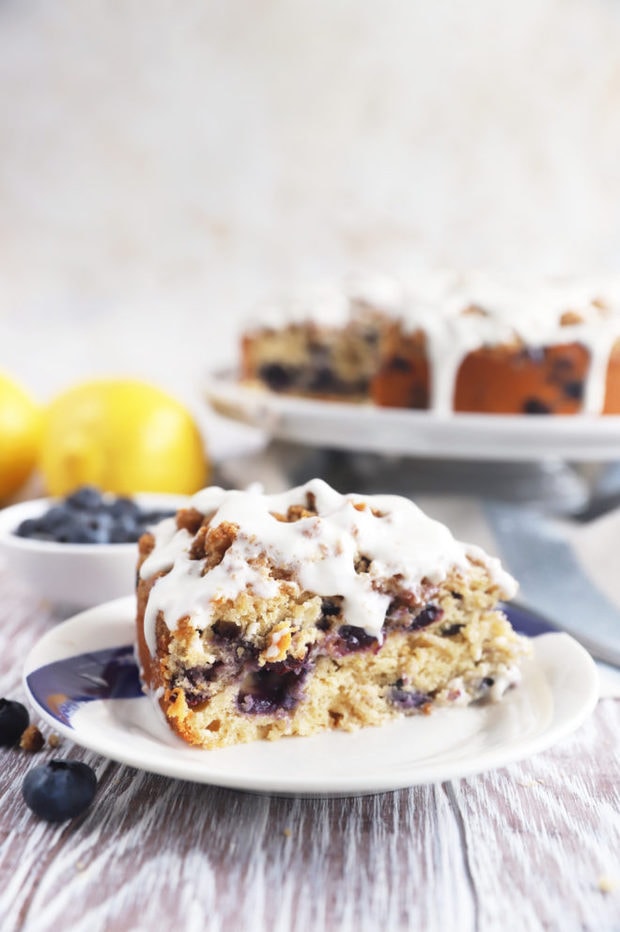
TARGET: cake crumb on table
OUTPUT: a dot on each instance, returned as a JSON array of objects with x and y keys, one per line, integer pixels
[
  {"x": 607, "y": 883},
  {"x": 31, "y": 739}
]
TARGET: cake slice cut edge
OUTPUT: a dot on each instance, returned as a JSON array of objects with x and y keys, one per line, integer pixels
[{"x": 262, "y": 616}]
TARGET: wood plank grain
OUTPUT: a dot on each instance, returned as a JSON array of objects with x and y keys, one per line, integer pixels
[{"x": 519, "y": 848}]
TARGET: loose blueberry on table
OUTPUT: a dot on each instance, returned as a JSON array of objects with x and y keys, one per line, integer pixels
[
  {"x": 89, "y": 517},
  {"x": 59, "y": 790},
  {"x": 14, "y": 720}
]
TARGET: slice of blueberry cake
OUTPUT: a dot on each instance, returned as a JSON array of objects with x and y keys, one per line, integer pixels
[{"x": 268, "y": 615}]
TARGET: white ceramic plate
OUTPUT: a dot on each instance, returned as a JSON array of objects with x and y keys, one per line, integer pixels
[
  {"x": 399, "y": 431},
  {"x": 81, "y": 678}
]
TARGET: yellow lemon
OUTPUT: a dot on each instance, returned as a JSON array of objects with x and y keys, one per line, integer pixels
[
  {"x": 123, "y": 436},
  {"x": 20, "y": 429}
]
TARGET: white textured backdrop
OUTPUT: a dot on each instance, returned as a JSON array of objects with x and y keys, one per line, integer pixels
[{"x": 163, "y": 164}]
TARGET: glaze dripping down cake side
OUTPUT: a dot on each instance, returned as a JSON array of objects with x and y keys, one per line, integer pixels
[{"x": 261, "y": 616}]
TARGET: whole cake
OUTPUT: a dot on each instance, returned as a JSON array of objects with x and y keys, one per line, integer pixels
[
  {"x": 449, "y": 342},
  {"x": 268, "y": 615}
]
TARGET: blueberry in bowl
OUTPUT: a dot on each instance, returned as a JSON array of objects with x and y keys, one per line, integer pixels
[
  {"x": 81, "y": 550},
  {"x": 87, "y": 516}
]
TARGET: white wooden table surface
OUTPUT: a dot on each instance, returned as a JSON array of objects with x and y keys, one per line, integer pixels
[{"x": 532, "y": 846}]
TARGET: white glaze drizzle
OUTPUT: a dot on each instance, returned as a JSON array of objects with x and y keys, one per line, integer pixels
[
  {"x": 532, "y": 315},
  {"x": 434, "y": 302},
  {"x": 320, "y": 551}
]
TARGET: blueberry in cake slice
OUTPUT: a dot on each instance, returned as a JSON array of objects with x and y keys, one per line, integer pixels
[{"x": 268, "y": 615}]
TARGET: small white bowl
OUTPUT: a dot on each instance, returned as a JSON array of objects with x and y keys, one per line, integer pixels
[{"x": 76, "y": 575}]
